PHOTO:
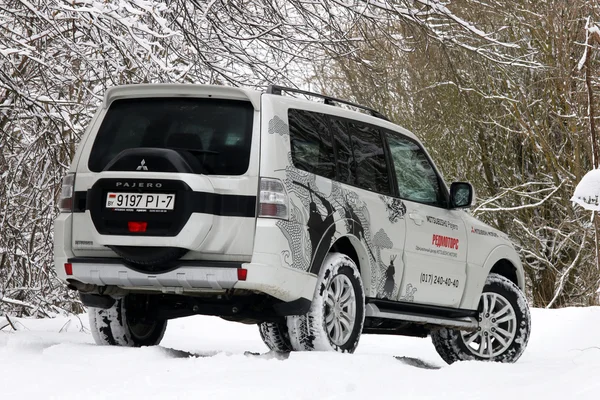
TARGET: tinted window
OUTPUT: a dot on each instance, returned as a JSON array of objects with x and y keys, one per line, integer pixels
[
  {"x": 310, "y": 140},
  {"x": 345, "y": 161},
  {"x": 218, "y": 133},
  {"x": 371, "y": 167},
  {"x": 417, "y": 180}
]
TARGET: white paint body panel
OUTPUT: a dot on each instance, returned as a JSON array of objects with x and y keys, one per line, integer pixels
[{"x": 435, "y": 254}]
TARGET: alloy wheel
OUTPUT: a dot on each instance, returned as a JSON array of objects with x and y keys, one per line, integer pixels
[
  {"x": 497, "y": 327},
  {"x": 340, "y": 309}
]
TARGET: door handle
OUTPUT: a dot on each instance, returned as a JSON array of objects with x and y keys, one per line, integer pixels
[{"x": 416, "y": 217}]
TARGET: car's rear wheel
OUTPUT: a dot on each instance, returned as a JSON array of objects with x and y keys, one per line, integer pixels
[
  {"x": 125, "y": 324},
  {"x": 275, "y": 335},
  {"x": 336, "y": 316},
  {"x": 504, "y": 327}
]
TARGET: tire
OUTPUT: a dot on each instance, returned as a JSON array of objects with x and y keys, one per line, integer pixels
[
  {"x": 505, "y": 326},
  {"x": 332, "y": 323},
  {"x": 275, "y": 335},
  {"x": 113, "y": 326}
]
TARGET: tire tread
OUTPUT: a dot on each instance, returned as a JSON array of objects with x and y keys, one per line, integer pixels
[{"x": 275, "y": 336}]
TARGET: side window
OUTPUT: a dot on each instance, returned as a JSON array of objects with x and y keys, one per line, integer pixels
[
  {"x": 310, "y": 140},
  {"x": 371, "y": 167},
  {"x": 345, "y": 160},
  {"x": 417, "y": 180}
]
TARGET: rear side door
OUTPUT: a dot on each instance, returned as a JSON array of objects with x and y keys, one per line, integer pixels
[
  {"x": 363, "y": 162},
  {"x": 435, "y": 250}
]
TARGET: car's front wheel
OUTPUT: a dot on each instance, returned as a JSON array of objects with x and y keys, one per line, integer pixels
[
  {"x": 126, "y": 324},
  {"x": 336, "y": 316},
  {"x": 504, "y": 327}
]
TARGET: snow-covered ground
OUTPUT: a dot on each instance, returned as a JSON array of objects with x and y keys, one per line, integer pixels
[{"x": 203, "y": 358}]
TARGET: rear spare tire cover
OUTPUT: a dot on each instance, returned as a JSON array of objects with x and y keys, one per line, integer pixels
[{"x": 194, "y": 196}]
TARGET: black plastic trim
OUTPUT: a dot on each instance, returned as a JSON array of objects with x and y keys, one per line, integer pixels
[
  {"x": 178, "y": 263},
  {"x": 96, "y": 300},
  {"x": 295, "y": 307},
  {"x": 409, "y": 330},
  {"x": 226, "y": 205},
  {"x": 426, "y": 309},
  {"x": 79, "y": 201},
  {"x": 278, "y": 90},
  {"x": 164, "y": 223},
  {"x": 249, "y": 308}
]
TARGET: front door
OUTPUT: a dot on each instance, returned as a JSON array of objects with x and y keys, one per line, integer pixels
[
  {"x": 435, "y": 249},
  {"x": 435, "y": 254}
]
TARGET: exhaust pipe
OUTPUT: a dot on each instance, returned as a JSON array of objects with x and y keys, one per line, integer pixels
[
  {"x": 82, "y": 287},
  {"x": 109, "y": 290}
]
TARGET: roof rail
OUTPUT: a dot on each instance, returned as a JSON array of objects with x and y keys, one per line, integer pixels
[{"x": 278, "y": 90}]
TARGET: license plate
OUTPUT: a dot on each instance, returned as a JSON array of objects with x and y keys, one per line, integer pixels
[{"x": 137, "y": 201}]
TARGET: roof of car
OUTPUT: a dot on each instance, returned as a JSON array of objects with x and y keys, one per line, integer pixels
[
  {"x": 252, "y": 95},
  {"x": 181, "y": 90}
]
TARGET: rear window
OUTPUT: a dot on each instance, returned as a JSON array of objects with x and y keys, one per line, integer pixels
[{"x": 216, "y": 132}]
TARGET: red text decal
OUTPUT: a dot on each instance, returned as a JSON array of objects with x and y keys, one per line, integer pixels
[{"x": 445, "y": 241}]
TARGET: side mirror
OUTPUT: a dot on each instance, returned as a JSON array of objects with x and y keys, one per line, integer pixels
[{"x": 462, "y": 195}]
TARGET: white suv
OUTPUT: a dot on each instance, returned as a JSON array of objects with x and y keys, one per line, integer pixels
[{"x": 314, "y": 221}]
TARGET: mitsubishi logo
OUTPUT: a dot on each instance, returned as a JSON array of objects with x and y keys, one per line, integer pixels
[{"x": 142, "y": 166}]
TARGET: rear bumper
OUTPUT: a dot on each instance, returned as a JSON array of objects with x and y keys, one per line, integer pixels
[
  {"x": 285, "y": 284},
  {"x": 186, "y": 276}
]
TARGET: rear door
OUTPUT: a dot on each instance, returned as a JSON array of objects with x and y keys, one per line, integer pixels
[
  {"x": 435, "y": 250},
  {"x": 170, "y": 171}
]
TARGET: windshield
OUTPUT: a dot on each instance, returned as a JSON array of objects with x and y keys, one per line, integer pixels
[{"x": 217, "y": 132}]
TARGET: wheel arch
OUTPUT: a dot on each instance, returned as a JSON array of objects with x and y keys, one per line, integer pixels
[
  {"x": 352, "y": 247},
  {"x": 502, "y": 260},
  {"x": 505, "y": 268},
  {"x": 505, "y": 261}
]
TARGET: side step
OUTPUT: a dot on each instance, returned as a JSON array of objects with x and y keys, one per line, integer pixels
[{"x": 466, "y": 323}]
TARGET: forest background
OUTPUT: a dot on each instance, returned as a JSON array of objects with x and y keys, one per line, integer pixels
[{"x": 503, "y": 94}]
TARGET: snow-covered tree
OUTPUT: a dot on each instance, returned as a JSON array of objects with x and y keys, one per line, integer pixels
[
  {"x": 57, "y": 57},
  {"x": 519, "y": 133}
]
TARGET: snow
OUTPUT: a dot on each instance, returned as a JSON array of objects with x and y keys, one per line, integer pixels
[
  {"x": 587, "y": 191},
  {"x": 590, "y": 32},
  {"x": 204, "y": 357}
]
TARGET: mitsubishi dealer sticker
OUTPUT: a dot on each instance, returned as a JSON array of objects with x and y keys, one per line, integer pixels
[{"x": 481, "y": 232}]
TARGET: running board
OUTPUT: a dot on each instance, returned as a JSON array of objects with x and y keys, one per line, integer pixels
[{"x": 466, "y": 323}]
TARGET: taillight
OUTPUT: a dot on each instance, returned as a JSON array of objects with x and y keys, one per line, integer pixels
[
  {"x": 273, "y": 200},
  {"x": 69, "y": 268},
  {"x": 242, "y": 274},
  {"x": 65, "y": 202}
]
